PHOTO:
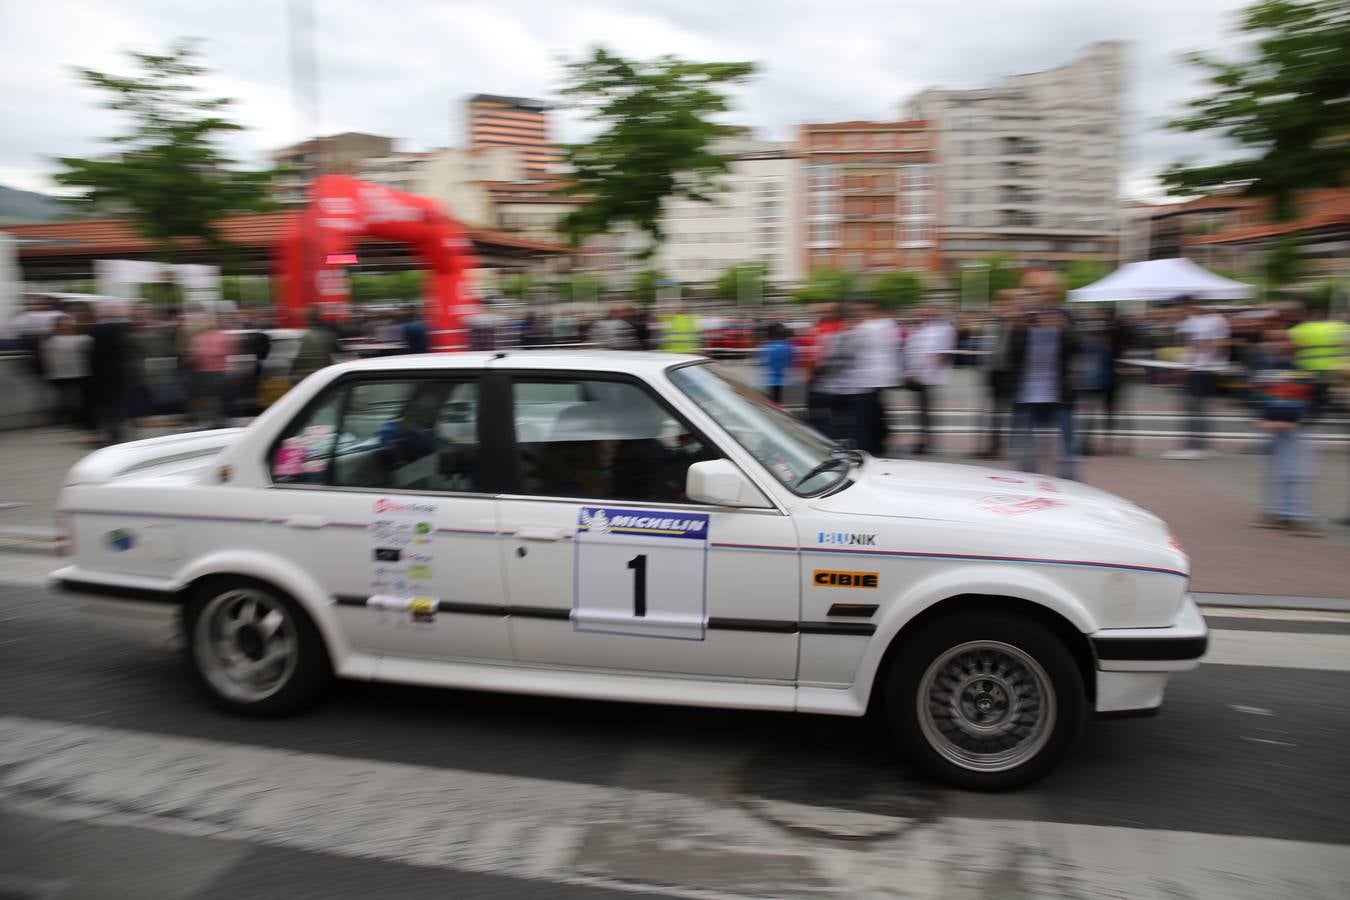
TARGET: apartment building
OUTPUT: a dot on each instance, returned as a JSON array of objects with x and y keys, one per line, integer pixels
[
  {"x": 1031, "y": 166},
  {"x": 755, "y": 218},
  {"x": 515, "y": 123},
  {"x": 869, "y": 198}
]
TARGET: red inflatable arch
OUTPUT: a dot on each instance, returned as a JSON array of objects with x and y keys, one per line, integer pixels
[{"x": 314, "y": 251}]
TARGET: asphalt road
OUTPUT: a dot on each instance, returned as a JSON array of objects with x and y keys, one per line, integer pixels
[{"x": 1237, "y": 789}]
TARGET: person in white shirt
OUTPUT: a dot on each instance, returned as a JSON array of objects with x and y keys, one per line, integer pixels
[
  {"x": 876, "y": 367},
  {"x": 1206, "y": 334},
  {"x": 927, "y": 360},
  {"x": 65, "y": 360}
]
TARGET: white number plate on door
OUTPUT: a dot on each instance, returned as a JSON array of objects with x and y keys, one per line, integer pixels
[{"x": 641, "y": 572}]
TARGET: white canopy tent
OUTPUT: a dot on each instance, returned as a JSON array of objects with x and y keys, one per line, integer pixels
[{"x": 1162, "y": 279}]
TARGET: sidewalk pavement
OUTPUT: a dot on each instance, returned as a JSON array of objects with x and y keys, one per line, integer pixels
[{"x": 1208, "y": 503}]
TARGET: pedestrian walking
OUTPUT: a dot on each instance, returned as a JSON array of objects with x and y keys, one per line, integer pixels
[
  {"x": 1285, "y": 395},
  {"x": 1042, "y": 350},
  {"x": 1206, "y": 334},
  {"x": 998, "y": 373},
  {"x": 111, "y": 357},
  {"x": 318, "y": 348},
  {"x": 776, "y": 358},
  {"x": 615, "y": 331},
  {"x": 836, "y": 384},
  {"x": 927, "y": 359},
  {"x": 875, "y": 371},
  {"x": 818, "y": 403},
  {"x": 65, "y": 355},
  {"x": 211, "y": 353},
  {"x": 416, "y": 338},
  {"x": 1101, "y": 345}
]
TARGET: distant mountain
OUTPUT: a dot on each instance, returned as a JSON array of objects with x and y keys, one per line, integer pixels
[{"x": 28, "y": 206}]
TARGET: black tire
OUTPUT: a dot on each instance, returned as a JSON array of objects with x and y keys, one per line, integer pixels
[
  {"x": 301, "y": 682},
  {"x": 960, "y": 689}
]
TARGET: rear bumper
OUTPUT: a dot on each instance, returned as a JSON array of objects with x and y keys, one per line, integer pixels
[
  {"x": 1133, "y": 664},
  {"x": 143, "y": 612}
]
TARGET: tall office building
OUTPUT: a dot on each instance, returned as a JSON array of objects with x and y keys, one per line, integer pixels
[
  {"x": 515, "y": 123},
  {"x": 1031, "y": 167}
]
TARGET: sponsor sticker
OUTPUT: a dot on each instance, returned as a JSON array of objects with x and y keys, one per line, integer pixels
[
  {"x": 846, "y": 539},
  {"x": 832, "y": 578},
  {"x": 119, "y": 540}
]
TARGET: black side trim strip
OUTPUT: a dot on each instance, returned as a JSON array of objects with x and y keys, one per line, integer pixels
[
  {"x": 765, "y": 625},
  {"x": 538, "y": 612},
  {"x": 1146, "y": 713},
  {"x": 445, "y": 606},
  {"x": 853, "y": 610},
  {"x": 118, "y": 592},
  {"x": 471, "y": 609},
  {"x": 864, "y": 629},
  {"x": 1151, "y": 649}
]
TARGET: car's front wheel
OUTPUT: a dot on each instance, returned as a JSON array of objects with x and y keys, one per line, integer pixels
[
  {"x": 254, "y": 649},
  {"x": 985, "y": 700}
]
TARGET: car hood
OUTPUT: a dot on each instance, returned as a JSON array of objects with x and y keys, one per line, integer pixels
[{"x": 992, "y": 497}]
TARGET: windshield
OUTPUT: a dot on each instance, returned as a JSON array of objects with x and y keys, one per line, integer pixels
[{"x": 789, "y": 449}]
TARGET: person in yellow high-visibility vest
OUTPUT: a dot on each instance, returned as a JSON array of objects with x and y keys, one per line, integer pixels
[
  {"x": 680, "y": 331},
  {"x": 1322, "y": 349}
]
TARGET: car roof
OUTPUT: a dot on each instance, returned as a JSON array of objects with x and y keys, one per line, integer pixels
[{"x": 645, "y": 363}]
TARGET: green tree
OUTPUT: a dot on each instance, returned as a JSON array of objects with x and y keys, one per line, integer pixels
[
  {"x": 518, "y": 287},
  {"x": 827, "y": 284},
  {"x": 1082, "y": 272},
  {"x": 165, "y": 171},
  {"x": 895, "y": 290},
  {"x": 582, "y": 287},
  {"x": 645, "y": 285},
  {"x": 656, "y": 140},
  {"x": 1282, "y": 102},
  {"x": 743, "y": 283}
]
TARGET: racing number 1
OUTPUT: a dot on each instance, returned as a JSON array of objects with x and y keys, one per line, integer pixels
[{"x": 639, "y": 566}]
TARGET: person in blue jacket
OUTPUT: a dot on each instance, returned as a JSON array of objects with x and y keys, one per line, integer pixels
[{"x": 776, "y": 356}]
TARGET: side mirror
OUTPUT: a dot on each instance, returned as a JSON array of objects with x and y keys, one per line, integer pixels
[{"x": 720, "y": 483}]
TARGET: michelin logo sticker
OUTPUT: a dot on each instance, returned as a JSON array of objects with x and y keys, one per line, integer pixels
[
  {"x": 641, "y": 573},
  {"x": 602, "y": 520}
]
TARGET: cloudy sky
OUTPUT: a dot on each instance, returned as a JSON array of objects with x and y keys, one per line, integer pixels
[{"x": 403, "y": 67}]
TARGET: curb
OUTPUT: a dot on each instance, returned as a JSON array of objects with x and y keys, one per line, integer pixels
[{"x": 1257, "y": 601}]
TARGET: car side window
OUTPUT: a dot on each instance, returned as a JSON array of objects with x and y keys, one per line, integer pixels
[
  {"x": 415, "y": 435},
  {"x": 602, "y": 440}
]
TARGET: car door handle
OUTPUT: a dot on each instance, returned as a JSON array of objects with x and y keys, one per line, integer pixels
[
  {"x": 303, "y": 521},
  {"x": 540, "y": 534}
]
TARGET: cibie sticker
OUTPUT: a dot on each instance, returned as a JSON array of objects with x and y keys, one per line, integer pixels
[
  {"x": 828, "y": 578},
  {"x": 1009, "y": 505},
  {"x": 641, "y": 573}
]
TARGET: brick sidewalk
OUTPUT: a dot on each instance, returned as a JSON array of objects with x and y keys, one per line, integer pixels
[{"x": 1207, "y": 503}]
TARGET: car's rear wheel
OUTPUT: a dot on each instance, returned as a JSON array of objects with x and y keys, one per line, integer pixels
[
  {"x": 254, "y": 649},
  {"x": 985, "y": 700}
]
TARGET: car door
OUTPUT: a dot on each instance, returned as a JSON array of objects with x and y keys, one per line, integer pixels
[
  {"x": 608, "y": 566},
  {"x": 381, "y": 484}
]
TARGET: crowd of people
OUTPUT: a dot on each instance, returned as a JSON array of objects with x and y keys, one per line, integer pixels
[
  {"x": 1042, "y": 366},
  {"x": 1047, "y": 366},
  {"x": 112, "y": 364}
]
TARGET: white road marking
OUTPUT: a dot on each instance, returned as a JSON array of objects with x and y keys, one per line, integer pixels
[
  {"x": 1280, "y": 649},
  {"x": 1256, "y": 740},
  {"x": 631, "y": 839},
  {"x": 1250, "y": 710}
]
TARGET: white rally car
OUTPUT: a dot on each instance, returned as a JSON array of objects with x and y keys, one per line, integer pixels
[{"x": 628, "y": 526}]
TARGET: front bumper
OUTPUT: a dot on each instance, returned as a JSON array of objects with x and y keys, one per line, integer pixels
[
  {"x": 142, "y": 611},
  {"x": 1133, "y": 664}
]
